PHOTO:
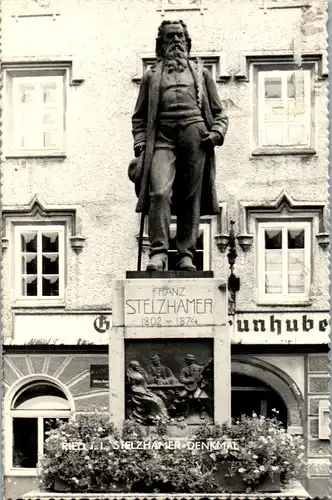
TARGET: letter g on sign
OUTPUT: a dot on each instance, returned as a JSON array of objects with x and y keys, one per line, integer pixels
[{"x": 101, "y": 324}]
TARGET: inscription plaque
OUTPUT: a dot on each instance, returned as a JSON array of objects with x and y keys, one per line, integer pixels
[{"x": 168, "y": 304}]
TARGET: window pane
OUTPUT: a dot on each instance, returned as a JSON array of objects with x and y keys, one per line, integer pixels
[
  {"x": 198, "y": 260},
  {"x": 296, "y": 283},
  {"x": 296, "y": 134},
  {"x": 296, "y": 271},
  {"x": 50, "y": 264},
  {"x": 40, "y": 391},
  {"x": 50, "y": 285},
  {"x": 273, "y": 239},
  {"x": 50, "y": 138},
  {"x": 291, "y": 86},
  {"x": 273, "y": 261},
  {"x": 274, "y": 134},
  {"x": 29, "y": 263},
  {"x": 296, "y": 238},
  {"x": 28, "y": 140},
  {"x": 28, "y": 118},
  {"x": 25, "y": 446},
  {"x": 29, "y": 286},
  {"x": 49, "y": 92},
  {"x": 26, "y": 93},
  {"x": 29, "y": 242},
  {"x": 296, "y": 260},
  {"x": 50, "y": 117},
  {"x": 273, "y": 283},
  {"x": 200, "y": 242},
  {"x": 295, "y": 86},
  {"x": 272, "y": 88},
  {"x": 50, "y": 242}
]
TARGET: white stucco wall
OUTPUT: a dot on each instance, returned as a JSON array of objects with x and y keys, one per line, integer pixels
[{"x": 103, "y": 38}]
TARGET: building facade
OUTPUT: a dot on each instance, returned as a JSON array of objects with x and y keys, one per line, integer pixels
[{"x": 71, "y": 71}]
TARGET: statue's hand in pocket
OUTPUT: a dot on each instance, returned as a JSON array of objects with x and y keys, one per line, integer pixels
[{"x": 210, "y": 140}]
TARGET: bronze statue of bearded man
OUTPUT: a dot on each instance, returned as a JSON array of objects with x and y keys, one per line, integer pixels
[{"x": 177, "y": 122}]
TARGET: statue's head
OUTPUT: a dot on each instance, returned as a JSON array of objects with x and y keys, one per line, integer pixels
[
  {"x": 189, "y": 359},
  {"x": 155, "y": 359},
  {"x": 134, "y": 365},
  {"x": 172, "y": 35}
]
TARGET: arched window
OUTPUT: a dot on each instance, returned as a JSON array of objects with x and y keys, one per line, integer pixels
[
  {"x": 250, "y": 395},
  {"x": 34, "y": 410}
]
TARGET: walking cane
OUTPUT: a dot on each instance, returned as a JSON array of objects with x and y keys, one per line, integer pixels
[{"x": 140, "y": 242}]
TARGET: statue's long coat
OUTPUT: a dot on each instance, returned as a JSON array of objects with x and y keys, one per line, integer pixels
[{"x": 145, "y": 122}]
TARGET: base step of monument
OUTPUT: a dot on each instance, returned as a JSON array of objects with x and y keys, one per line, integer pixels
[
  {"x": 293, "y": 492},
  {"x": 168, "y": 274}
]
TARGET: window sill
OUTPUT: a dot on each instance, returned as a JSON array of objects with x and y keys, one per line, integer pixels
[
  {"x": 178, "y": 8},
  {"x": 283, "y": 151},
  {"x": 23, "y": 304},
  {"x": 21, "y": 471},
  {"x": 36, "y": 154},
  {"x": 285, "y": 4},
  {"x": 285, "y": 302}
]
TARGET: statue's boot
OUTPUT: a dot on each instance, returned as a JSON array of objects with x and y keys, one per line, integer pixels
[
  {"x": 157, "y": 262},
  {"x": 186, "y": 264}
]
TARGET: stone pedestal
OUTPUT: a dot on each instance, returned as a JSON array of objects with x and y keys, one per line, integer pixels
[{"x": 171, "y": 310}]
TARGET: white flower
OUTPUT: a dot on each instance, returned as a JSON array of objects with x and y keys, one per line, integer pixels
[
  {"x": 275, "y": 468},
  {"x": 254, "y": 456},
  {"x": 254, "y": 415},
  {"x": 256, "y": 471},
  {"x": 241, "y": 470},
  {"x": 262, "y": 468}
]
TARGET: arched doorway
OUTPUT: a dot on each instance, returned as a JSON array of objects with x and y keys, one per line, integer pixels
[
  {"x": 277, "y": 380},
  {"x": 250, "y": 394}
]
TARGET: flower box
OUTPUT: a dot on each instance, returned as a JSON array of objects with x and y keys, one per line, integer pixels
[{"x": 268, "y": 483}]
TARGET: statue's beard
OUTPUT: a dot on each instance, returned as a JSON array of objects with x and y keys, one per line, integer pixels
[{"x": 176, "y": 56}]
